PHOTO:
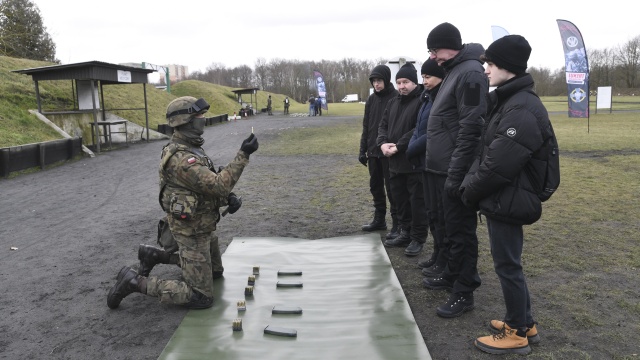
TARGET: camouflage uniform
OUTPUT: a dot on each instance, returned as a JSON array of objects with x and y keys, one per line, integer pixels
[{"x": 192, "y": 193}]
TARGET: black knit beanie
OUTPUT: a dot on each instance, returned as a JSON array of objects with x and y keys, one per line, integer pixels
[
  {"x": 510, "y": 52},
  {"x": 381, "y": 72},
  {"x": 431, "y": 67},
  {"x": 444, "y": 36},
  {"x": 408, "y": 71}
]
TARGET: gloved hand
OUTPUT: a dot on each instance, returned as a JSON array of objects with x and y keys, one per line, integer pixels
[
  {"x": 250, "y": 144},
  {"x": 363, "y": 159},
  {"x": 234, "y": 203},
  {"x": 452, "y": 188}
]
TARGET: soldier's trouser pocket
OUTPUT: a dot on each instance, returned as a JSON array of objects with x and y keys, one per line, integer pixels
[{"x": 183, "y": 206}]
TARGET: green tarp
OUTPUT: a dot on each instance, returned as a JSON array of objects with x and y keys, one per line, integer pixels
[{"x": 353, "y": 306}]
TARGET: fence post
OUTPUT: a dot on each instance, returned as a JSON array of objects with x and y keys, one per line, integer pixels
[
  {"x": 41, "y": 153},
  {"x": 4, "y": 162}
]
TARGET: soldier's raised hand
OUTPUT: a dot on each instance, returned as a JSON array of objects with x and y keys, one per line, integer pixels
[{"x": 250, "y": 144}]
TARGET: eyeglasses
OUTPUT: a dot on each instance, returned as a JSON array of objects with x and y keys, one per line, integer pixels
[{"x": 433, "y": 51}]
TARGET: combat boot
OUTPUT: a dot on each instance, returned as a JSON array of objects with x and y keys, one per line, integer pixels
[
  {"x": 149, "y": 257},
  {"x": 508, "y": 341},
  {"x": 127, "y": 282},
  {"x": 378, "y": 223},
  {"x": 395, "y": 230},
  {"x": 456, "y": 305},
  {"x": 199, "y": 301}
]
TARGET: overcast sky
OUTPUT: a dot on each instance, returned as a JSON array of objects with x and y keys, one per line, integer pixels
[{"x": 197, "y": 33}]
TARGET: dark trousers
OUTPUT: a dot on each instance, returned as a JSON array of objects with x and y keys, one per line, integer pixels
[
  {"x": 379, "y": 185},
  {"x": 409, "y": 196},
  {"x": 506, "y": 242},
  {"x": 460, "y": 239},
  {"x": 435, "y": 214}
]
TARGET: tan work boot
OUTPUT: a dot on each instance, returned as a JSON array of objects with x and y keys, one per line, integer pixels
[
  {"x": 532, "y": 333},
  {"x": 505, "y": 342}
]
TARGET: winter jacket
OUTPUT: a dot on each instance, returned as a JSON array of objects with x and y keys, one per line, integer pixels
[
  {"x": 373, "y": 110},
  {"x": 397, "y": 125},
  {"x": 418, "y": 142},
  {"x": 456, "y": 119},
  {"x": 509, "y": 176}
]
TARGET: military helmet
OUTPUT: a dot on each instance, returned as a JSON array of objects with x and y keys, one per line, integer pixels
[{"x": 181, "y": 110}]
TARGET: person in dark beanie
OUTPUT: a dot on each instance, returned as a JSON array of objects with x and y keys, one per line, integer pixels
[
  {"x": 454, "y": 130},
  {"x": 502, "y": 186},
  {"x": 395, "y": 131},
  {"x": 432, "y": 75},
  {"x": 370, "y": 154}
]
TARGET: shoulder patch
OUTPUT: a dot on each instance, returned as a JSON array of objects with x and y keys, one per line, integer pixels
[{"x": 191, "y": 160}]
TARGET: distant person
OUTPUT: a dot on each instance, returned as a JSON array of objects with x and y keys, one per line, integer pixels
[
  {"x": 395, "y": 131},
  {"x": 191, "y": 193},
  {"x": 503, "y": 189},
  {"x": 370, "y": 154},
  {"x": 269, "y": 106},
  {"x": 312, "y": 106},
  {"x": 319, "y": 106},
  {"x": 432, "y": 75},
  {"x": 453, "y": 133},
  {"x": 286, "y": 105}
]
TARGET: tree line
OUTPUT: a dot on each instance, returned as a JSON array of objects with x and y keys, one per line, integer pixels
[
  {"x": 618, "y": 67},
  {"x": 23, "y": 35}
]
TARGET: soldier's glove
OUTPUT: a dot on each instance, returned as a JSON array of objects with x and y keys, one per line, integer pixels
[
  {"x": 363, "y": 159},
  {"x": 250, "y": 144},
  {"x": 234, "y": 203}
]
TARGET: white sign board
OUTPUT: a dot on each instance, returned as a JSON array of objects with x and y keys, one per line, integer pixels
[
  {"x": 603, "y": 100},
  {"x": 87, "y": 94},
  {"x": 124, "y": 76}
]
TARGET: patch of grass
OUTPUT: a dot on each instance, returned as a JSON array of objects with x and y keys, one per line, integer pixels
[{"x": 335, "y": 140}]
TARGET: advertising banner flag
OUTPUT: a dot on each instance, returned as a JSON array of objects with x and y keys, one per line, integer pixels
[
  {"x": 576, "y": 69},
  {"x": 498, "y": 31},
  {"x": 322, "y": 90}
]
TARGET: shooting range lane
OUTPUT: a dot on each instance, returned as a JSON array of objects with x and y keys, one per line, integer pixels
[{"x": 353, "y": 306}]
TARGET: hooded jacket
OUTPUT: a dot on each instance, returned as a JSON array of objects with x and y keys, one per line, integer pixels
[
  {"x": 456, "y": 119},
  {"x": 510, "y": 175},
  {"x": 373, "y": 110},
  {"x": 418, "y": 142},
  {"x": 397, "y": 125}
]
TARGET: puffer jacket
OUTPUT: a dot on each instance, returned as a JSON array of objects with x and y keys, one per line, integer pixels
[
  {"x": 456, "y": 119},
  {"x": 397, "y": 125},
  {"x": 509, "y": 175},
  {"x": 418, "y": 142},
  {"x": 373, "y": 111}
]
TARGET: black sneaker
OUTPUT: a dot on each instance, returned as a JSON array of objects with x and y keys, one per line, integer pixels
[
  {"x": 438, "y": 283},
  {"x": 413, "y": 249},
  {"x": 456, "y": 305},
  {"x": 433, "y": 272},
  {"x": 427, "y": 263}
]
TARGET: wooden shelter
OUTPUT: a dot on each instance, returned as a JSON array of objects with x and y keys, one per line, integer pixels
[{"x": 87, "y": 78}]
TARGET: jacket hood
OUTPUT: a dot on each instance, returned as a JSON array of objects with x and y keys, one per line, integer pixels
[
  {"x": 381, "y": 72},
  {"x": 471, "y": 51}
]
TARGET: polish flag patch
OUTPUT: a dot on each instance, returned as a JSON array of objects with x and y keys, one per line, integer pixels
[{"x": 191, "y": 160}]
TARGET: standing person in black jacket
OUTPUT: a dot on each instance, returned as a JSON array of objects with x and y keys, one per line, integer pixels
[
  {"x": 396, "y": 128},
  {"x": 432, "y": 75},
  {"x": 370, "y": 153},
  {"x": 453, "y": 133},
  {"x": 506, "y": 185}
]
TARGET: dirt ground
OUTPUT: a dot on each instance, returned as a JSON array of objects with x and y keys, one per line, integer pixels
[{"x": 75, "y": 225}]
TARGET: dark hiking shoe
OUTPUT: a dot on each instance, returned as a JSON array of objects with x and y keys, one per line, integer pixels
[
  {"x": 401, "y": 240},
  {"x": 394, "y": 233},
  {"x": 532, "y": 332},
  {"x": 438, "y": 283},
  {"x": 427, "y": 263},
  {"x": 456, "y": 305},
  {"x": 434, "y": 271},
  {"x": 507, "y": 341},
  {"x": 127, "y": 282},
  {"x": 413, "y": 249}
]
